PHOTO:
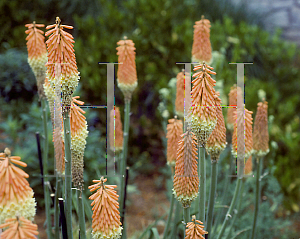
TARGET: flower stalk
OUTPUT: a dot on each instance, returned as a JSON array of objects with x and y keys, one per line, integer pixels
[
  {"x": 81, "y": 215},
  {"x": 261, "y": 148},
  {"x": 212, "y": 194},
  {"x": 202, "y": 176},
  {"x": 259, "y": 164},
  {"x": 216, "y": 143},
  {"x": 169, "y": 217},
  {"x": 230, "y": 210},
  {"x": 45, "y": 170},
  {"x": 56, "y": 203},
  {"x": 68, "y": 173},
  {"x": 127, "y": 82},
  {"x": 124, "y": 158}
]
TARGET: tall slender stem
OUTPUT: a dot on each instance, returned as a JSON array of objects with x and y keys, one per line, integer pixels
[
  {"x": 81, "y": 215},
  {"x": 68, "y": 174},
  {"x": 230, "y": 210},
  {"x": 238, "y": 208},
  {"x": 212, "y": 193},
  {"x": 186, "y": 217},
  {"x": 45, "y": 169},
  {"x": 224, "y": 198},
  {"x": 202, "y": 191},
  {"x": 124, "y": 159},
  {"x": 257, "y": 195},
  {"x": 56, "y": 203},
  {"x": 177, "y": 216},
  {"x": 170, "y": 211}
]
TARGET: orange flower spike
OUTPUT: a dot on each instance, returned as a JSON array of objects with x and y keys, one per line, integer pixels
[
  {"x": 179, "y": 102},
  {"x": 202, "y": 116},
  {"x": 247, "y": 135},
  {"x": 19, "y": 228},
  {"x": 234, "y": 93},
  {"x": 37, "y": 54},
  {"x": 201, "y": 50},
  {"x": 260, "y": 133},
  {"x": 14, "y": 189},
  {"x": 216, "y": 142},
  {"x": 195, "y": 229},
  {"x": 79, "y": 134},
  {"x": 60, "y": 50},
  {"x": 127, "y": 76},
  {"x": 116, "y": 132},
  {"x": 186, "y": 181},
  {"x": 174, "y": 131},
  {"x": 106, "y": 218}
]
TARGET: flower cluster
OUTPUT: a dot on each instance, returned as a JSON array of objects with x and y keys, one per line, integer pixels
[
  {"x": 202, "y": 116},
  {"x": 244, "y": 120},
  {"x": 201, "y": 50},
  {"x": 127, "y": 77},
  {"x": 37, "y": 54},
  {"x": 234, "y": 94},
  {"x": 195, "y": 229},
  {"x": 174, "y": 132},
  {"x": 216, "y": 142},
  {"x": 61, "y": 66},
  {"x": 180, "y": 90},
  {"x": 115, "y": 131},
  {"x": 186, "y": 181},
  {"x": 78, "y": 140},
  {"x": 260, "y": 133},
  {"x": 18, "y": 228},
  {"x": 106, "y": 216},
  {"x": 15, "y": 193}
]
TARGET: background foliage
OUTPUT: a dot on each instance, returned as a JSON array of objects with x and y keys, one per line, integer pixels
[{"x": 162, "y": 31}]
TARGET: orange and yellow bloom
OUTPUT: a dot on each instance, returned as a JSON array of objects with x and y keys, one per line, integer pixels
[
  {"x": 195, "y": 229},
  {"x": 115, "y": 130},
  {"x": 244, "y": 120},
  {"x": 18, "y": 228},
  {"x": 15, "y": 193},
  {"x": 79, "y": 133},
  {"x": 186, "y": 181},
  {"x": 216, "y": 142},
  {"x": 127, "y": 76},
  {"x": 260, "y": 133},
  {"x": 202, "y": 116},
  {"x": 61, "y": 58},
  {"x": 174, "y": 132},
  {"x": 106, "y": 216},
  {"x": 37, "y": 54},
  {"x": 201, "y": 50}
]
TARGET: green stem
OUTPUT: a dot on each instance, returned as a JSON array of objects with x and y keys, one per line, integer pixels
[
  {"x": 230, "y": 210},
  {"x": 186, "y": 217},
  {"x": 224, "y": 197},
  {"x": 238, "y": 208},
  {"x": 212, "y": 193},
  {"x": 257, "y": 196},
  {"x": 68, "y": 174},
  {"x": 81, "y": 215},
  {"x": 56, "y": 208},
  {"x": 177, "y": 216},
  {"x": 202, "y": 191},
  {"x": 124, "y": 159},
  {"x": 45, "y": 169},
  {"x": 170, "y": 214}
]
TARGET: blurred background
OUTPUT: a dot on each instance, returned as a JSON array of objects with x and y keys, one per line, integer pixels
[{"x": 263, "y": 32}]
